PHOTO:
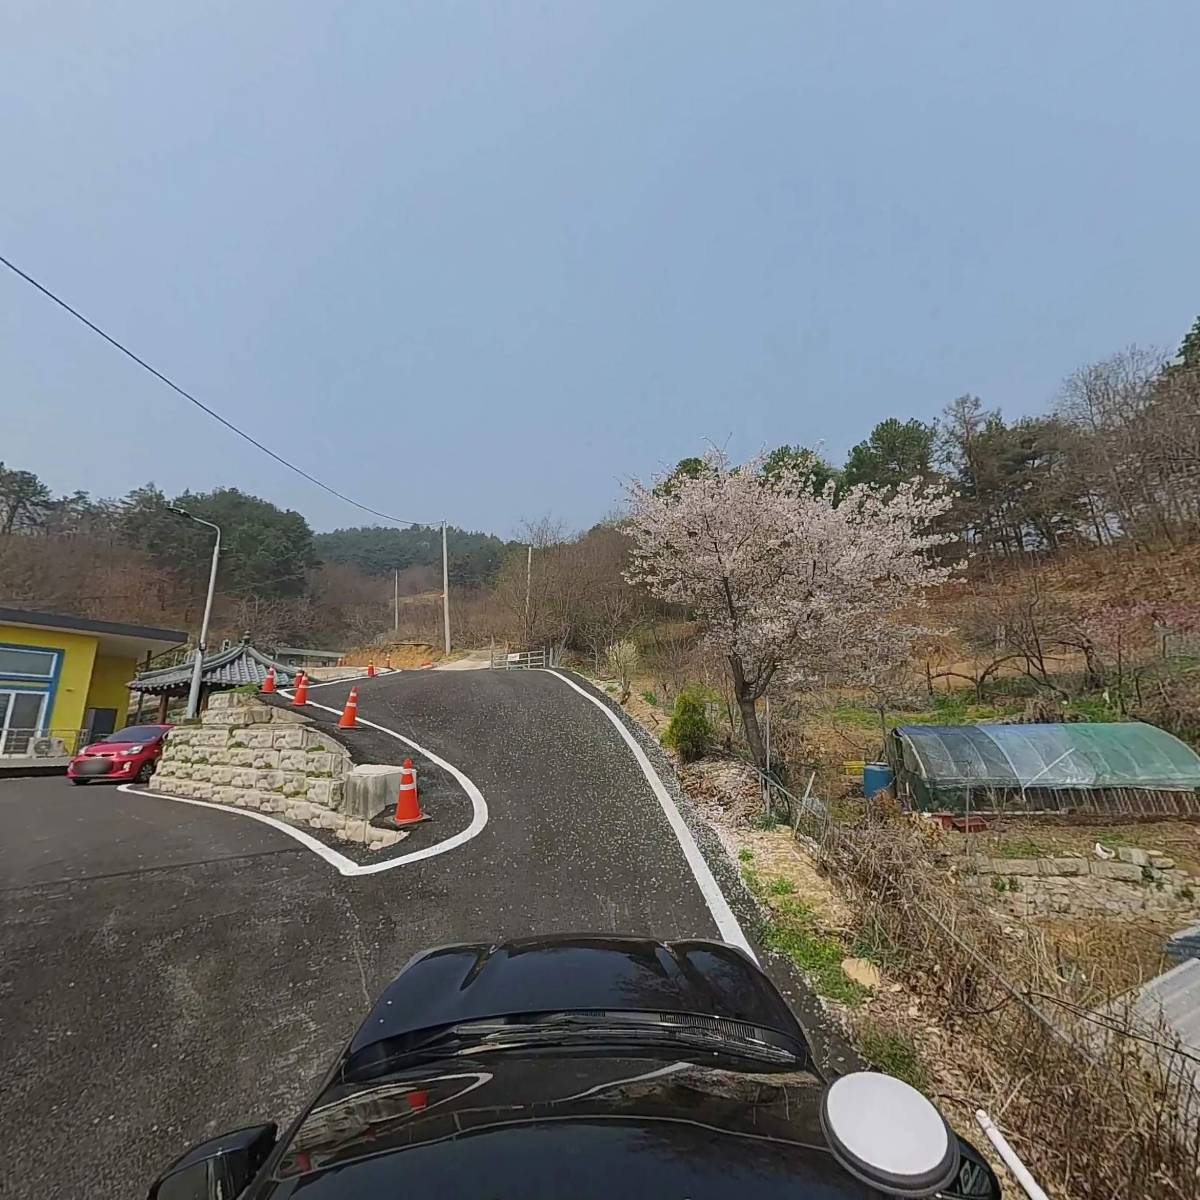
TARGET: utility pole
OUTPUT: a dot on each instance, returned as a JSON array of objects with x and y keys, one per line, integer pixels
[
  {"x": 445, "y": 589},
  {"x": 193, "y": 703},
  {"x": 528, "y": 590},
  {"x": 396, "y": 592}
]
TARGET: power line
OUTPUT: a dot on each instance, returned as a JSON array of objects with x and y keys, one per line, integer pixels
[{"x": 141, "y": 362}]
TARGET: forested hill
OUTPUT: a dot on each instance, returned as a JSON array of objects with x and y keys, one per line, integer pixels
[{"x": 379, "y": 550}]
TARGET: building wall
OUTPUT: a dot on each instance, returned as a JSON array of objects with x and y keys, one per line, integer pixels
[
  {"x": 69, "y": 690},
  {"x": 109, "y": 677}
]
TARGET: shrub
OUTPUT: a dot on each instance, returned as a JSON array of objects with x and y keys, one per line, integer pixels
[{"x": 689, "y": 731}]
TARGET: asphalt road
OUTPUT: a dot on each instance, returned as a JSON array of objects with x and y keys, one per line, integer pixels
[{"x": 168, "y": 971}]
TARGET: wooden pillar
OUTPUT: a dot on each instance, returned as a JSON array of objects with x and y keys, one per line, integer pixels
[
  {"x": 163, "y": 701},
  {"x": 137, "y": 720}
]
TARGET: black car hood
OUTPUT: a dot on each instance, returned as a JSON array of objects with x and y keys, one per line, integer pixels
[
  {"x": 574, "y": 973},
  {"x": 520, "y": 1124},
  {"x": 520, "y": 1117}
]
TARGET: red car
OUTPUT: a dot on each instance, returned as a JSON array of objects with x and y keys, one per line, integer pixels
[{"x": 128, "y": 754}]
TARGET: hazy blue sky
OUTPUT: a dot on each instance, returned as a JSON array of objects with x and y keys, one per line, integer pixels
[{"x": 484, "y": 260}]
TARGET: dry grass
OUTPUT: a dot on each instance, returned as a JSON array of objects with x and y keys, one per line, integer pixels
[
  {"x": 1110, "y": 956},
  {"x": 1097, "y": 1106}
]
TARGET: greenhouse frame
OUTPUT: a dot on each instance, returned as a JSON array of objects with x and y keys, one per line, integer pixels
[{"x": 1123, "y": 767}]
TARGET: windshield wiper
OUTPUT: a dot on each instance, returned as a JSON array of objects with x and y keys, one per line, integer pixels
[
  {"x": 715, "y": 1035},
  {"x": 665, "y": 1035}
]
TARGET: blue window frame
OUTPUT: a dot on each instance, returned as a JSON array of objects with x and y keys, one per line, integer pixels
[
  {"x": 32, "y": 669},
  {"x": 27, "y": 662}
]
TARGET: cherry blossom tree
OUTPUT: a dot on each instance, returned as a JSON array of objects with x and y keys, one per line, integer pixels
[{"x": 782, "y": 578}]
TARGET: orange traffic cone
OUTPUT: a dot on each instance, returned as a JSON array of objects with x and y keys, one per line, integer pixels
[
  {"x": 370, "y": 670},
  {"x": 408, "y": 807},
  {"x": 349, "y": 718},
  {"x": 300, "y": 698},
  {"x": 268, "y": 684}
]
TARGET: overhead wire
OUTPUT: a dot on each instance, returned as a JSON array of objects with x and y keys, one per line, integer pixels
[{"x": 141, "y": 362}]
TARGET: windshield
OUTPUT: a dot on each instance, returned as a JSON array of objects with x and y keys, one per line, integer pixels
[
  {"x": 711, "y": 1035},
  {"x": 137, "y": 733}
]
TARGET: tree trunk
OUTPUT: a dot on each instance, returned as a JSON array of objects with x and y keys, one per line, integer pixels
[
  {"x": 758, "y": 750},
  {"x": 744, "y": 695}
]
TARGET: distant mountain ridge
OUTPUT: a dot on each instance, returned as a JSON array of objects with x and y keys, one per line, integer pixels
[{"x": 381, "y": 549}]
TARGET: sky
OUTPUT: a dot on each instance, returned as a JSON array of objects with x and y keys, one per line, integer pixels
[{"x": 485, "y": 261}]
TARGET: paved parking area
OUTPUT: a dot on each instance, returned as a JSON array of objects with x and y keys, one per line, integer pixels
[{"x": 168, "y": 970}]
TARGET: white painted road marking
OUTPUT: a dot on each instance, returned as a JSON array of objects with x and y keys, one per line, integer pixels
[
  {"x": 727, "y": 923},
  {"x": 344, "y": 865}
]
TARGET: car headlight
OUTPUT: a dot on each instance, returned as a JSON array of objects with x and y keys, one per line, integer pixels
[{"x": 132, "y": 750}]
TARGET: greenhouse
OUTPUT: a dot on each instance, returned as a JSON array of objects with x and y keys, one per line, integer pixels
[{"x": 1118, "y": 767}]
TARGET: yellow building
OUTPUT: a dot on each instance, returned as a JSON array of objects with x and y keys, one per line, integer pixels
[{"x": 67, "y": 677}]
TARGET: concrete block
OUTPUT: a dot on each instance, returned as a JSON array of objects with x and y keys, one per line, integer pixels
[
  {"x": 1131, "y": 854},
  {"x": 319, "y": 763},
  {"x": 259, "y": 714},
  {"x": 220, "y": 776},
  {"x": 1017, "y": 866},
  {"x": 270, "y": 781},
  {"x": 219, "y": 701},
  {"x": 201, "y": 791},
  {"x": 225, "y": 719},
  {"x": 356, "y": 830},
  {"x": 242, "y": 778},
  {"x": 369, "y": 789},
  {"x": 266, "y": 760},
  {"x": 295, "y": 783},
  {"x": 1063, "y": 866},
  {"x": 228, "y": 795},
  {"x": 285, "y": 716},
  {"x": 201, "y": 771},
  {"x": 1127, "y": 872},
  {"x": 326, "y": 792},
  {"x": 292, "y": 760},
  {"x": 287, "y": 739}
]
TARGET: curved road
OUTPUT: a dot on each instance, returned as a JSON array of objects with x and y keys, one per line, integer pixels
[{"x": 167, "y": 970}]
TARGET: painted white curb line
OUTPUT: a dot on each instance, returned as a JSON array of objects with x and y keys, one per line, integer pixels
[
  {"x": 344, "y": 865},
  {"x": 727, "y": 923}
]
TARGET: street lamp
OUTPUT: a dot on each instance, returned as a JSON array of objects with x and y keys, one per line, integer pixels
[{"x": 193, "y": 703}]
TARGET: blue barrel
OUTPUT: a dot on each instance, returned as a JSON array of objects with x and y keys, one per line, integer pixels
[{"x": 877, "y": 777}]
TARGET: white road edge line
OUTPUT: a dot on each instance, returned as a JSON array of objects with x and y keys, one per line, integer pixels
[
  {"x": 344, "y": 865},
  {"x": 727, "y": 923}
]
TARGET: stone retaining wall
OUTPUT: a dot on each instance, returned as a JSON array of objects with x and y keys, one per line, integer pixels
[
  {"x": 253, "y": 755},
  {"x": 1137, "y": 883}
]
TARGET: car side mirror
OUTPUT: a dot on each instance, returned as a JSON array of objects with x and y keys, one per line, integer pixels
[{"x": 219, "y": 1169}]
